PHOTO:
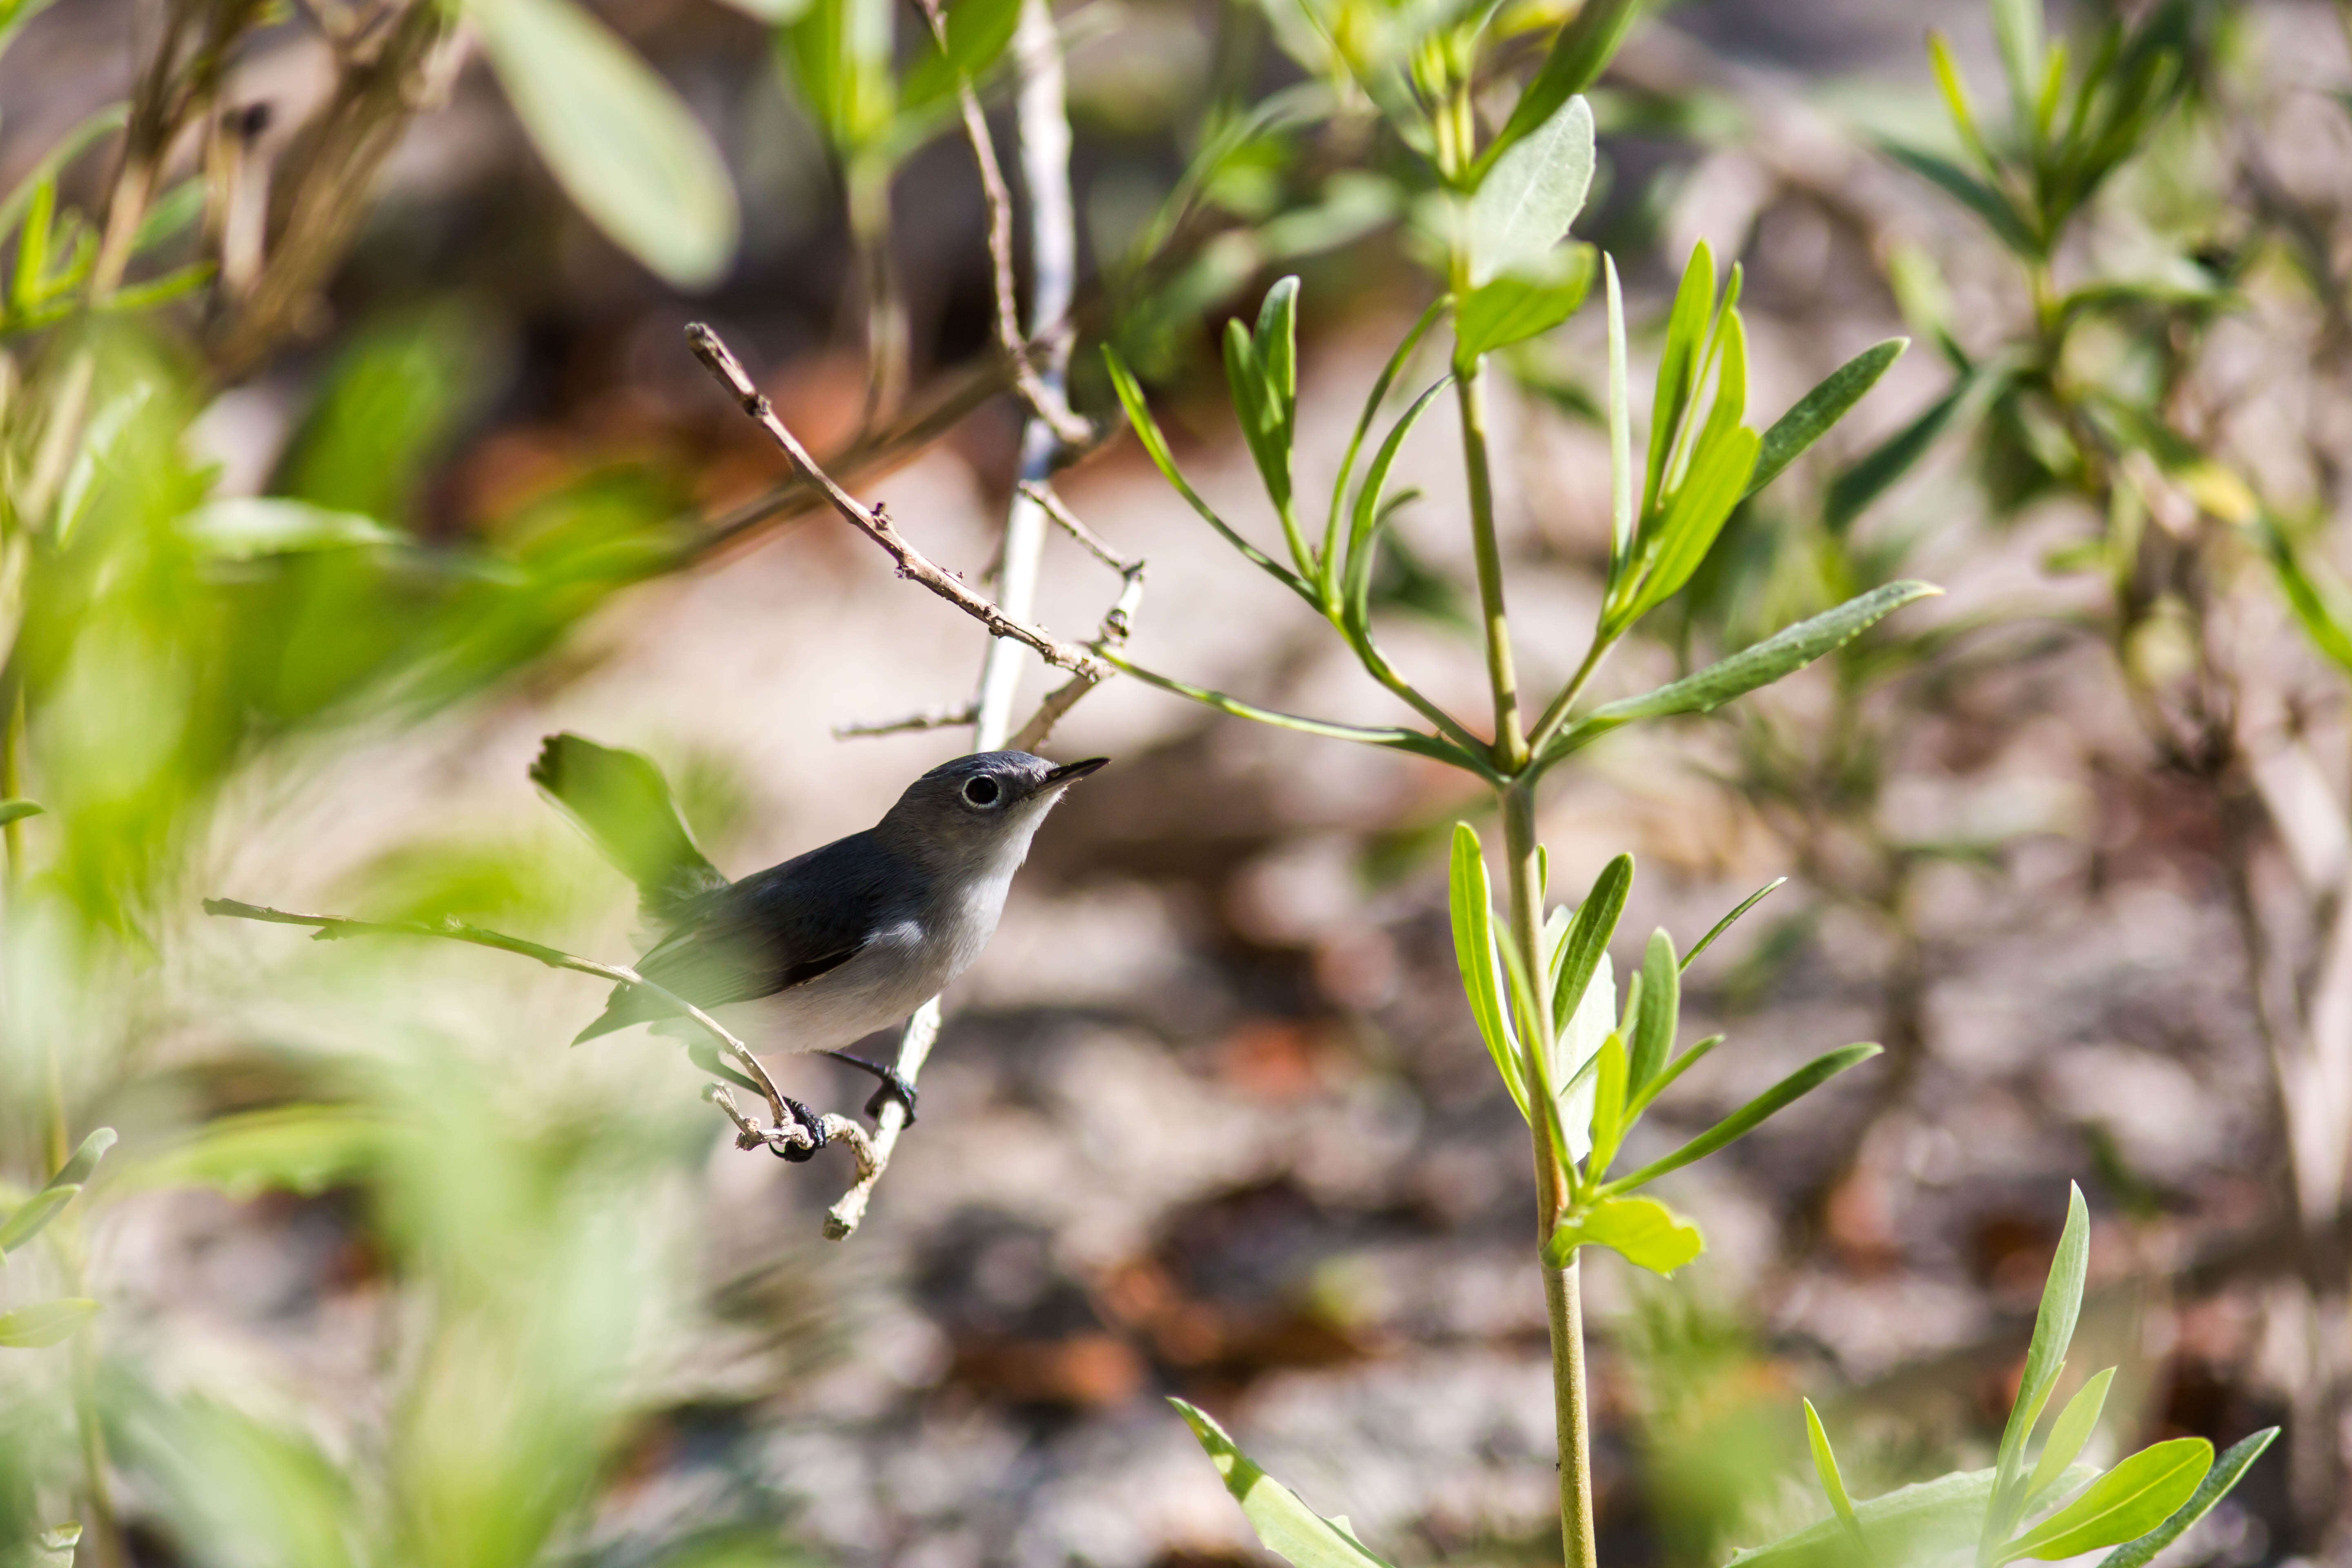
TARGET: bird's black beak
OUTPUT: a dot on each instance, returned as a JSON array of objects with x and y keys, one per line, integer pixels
[{"x": 1071, "y": 772}]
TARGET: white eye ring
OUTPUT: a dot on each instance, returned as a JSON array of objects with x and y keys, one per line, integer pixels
[{"x": 982, "y": 791}]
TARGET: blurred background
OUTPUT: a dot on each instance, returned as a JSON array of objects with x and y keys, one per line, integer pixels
[{"x": 362, "y": 449}]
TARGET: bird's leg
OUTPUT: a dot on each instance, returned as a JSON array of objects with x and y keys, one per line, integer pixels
[{"x": 894, "y": 1085}]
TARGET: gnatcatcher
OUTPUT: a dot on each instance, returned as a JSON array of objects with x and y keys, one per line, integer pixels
[{"x": 832, "y": 945}]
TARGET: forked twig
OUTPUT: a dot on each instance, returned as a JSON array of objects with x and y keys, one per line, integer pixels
[
  {"x": 785, "y": 1134},
  {"x": 875, "y": 522}
]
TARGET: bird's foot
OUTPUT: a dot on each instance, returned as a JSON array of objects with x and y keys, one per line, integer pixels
[
  {"x": 894, "y": 1085},
  {"x": 809, "y": 1123}
]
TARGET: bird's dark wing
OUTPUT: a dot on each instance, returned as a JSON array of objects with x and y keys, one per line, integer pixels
[
  {"x": 623, "y": 802},
  {"x": 780, "y": 928}
]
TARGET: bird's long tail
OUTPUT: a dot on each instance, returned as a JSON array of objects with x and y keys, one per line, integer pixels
[{"x": 624, "y": 802}]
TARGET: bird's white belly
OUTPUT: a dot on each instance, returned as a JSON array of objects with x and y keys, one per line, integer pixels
[{"x": 887, "y": 980}]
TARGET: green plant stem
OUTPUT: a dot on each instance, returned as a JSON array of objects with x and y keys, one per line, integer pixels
[
  {"x": 1510, "y": 744},
  {"x": 869, "y": 179}
]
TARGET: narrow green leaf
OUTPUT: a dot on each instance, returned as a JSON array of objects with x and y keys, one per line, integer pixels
[
  {"x": 1576, "y": 1059},
  {"x": 1364, "y": 527},
  {"x": 303, "y": 1149},
  {"x": 1851, "y": 493},
  {"x": 1522, "y": 303},
  {"x": 1673, "y": 1070},
  {"x": 1329, "y": 584},
  {"x": 1587, "y": 937},
  {"x": 2017, "y": 28},
  {"x": 2136, "y": 1497},
  {"x": 1991, "y": 205},
  {"x": 1654, "y": 1030},
  {"x": 1729, "y": 352},
  {"x": 1469, "y": 901},
  {"x": 1821, "y": 408},
  {"x": 1579, "y": 54},
  {"x": 1783, "y": 654},
  {"x": 1678, "y": 366},
  {"x": 2068, "y": 1435},
  {"x": 17, "y": 810},
  {"x": 1726, "y": 923},
  {"x": 1744, "y": 1119},
  {"x": 1260, "y": 423},
  {"x": 173, "y": 212},
  {"x": 1276, "y": 341},
  {"x": 1695, "y": 516},
  {"x": 1956, "y": 96},
  {"x": 1286, "y": 1527},
  {"x": 1609, "y": 1074},
  {"x": 1826, "y": 1467},
  {"x": 44, "y": 1324},
  {"x": 979, "y": 31},
  {"x": 33, "y": 248},
  {"x": 2054, "y": 1331},
  {"x": 2224, "y": 1475},
  {"x": 615, "y": 135},
  {"x": 1525, "y": 201},
  {"x": 1643, "y": 1231},
  {"x": 1621, "y": 436},
  {"x": 1155, "y": 444}
]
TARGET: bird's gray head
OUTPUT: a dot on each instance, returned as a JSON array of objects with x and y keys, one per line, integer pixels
[{"x": 976, "y": 813}]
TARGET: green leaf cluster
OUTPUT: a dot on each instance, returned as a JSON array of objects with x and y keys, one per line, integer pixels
[{"x": 2058, "y": 1509}]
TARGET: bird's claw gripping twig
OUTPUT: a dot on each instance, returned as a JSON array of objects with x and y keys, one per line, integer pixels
[
  {"x": 894, "y": 1085},
  {"x": 801, "y": 1150}
]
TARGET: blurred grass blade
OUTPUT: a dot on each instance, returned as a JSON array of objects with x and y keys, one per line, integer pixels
[
  {"x": 1526, "y": 199},
  {"x": 2216, "y": 1486},
  {"x": 60, "y": 1190},
  {"x": 92, "y": 128},
  {"x": 1474, "y": 954},
  {"x": 17, "y": 810},
  {"x": 2069, "y": 1434},
  {"x": 1744, "y": 1119},
  {"x": 619, "y": 141},
  {"x": 2017, "y": 28},
  {"x": 1826, "y": 1467},
  {"x": 245, "y": 528},
  {"x": 1727, "y": 921},
  {"x": 1971, "y": 193},
  {"x": 1643, "y": 1231},
  {"x": 1821, "y": 408},
  {"x": 978, "y": 34},
  {"x": 300, "y": 1149},
  {"x": 44, "y": 1324},
  {"x": 2129, "y": 1500},
  {"x": 1956, "y": 97},
  {"x": 1579, "y": 54},
  {"x": 1286, "y": 1527},
  {"x": 1588, "y": 937},
  {"x": 1655, "y": 1024}
]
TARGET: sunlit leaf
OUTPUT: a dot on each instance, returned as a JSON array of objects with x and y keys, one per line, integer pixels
[
  {"x": 1678, "y": 366},
  {"x": 45, "y": 1205},
  {"x": 1288, "y": 1526},
  {"x": 1522, "y": 303},
  {"x": 1980, "y": 198},
  {"x": 1821, "y": 408},
  {"x": 2129, "y": 1500},
  {"x": 17, "y": 810},
  {"x": 1527, "y": 199},
  {"x": 1579, "y": 54},
  {"x": 1643, "y": 1231},
  {"x": 1586, "y": 946},
  {"x": 1727, "y": 921},
  {"x": 2216, "y": 1486},
  {"x": 1655, "y": 1026},
  {"x": 1474, "y": 954},
  {"x": 2068, "y": 1435},
  {"x": 1918, "y": 1524},
  {"x": 1826, "y": 1467},
  {"x": 44, "y": 1324},
  {"x": 2045, "y": 1354},
  {"x": 1609, "y": 1072},
  {"x": 615, "y": 135}
]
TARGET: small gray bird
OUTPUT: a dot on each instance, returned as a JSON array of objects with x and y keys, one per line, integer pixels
[{"x": 832, "y": 945}]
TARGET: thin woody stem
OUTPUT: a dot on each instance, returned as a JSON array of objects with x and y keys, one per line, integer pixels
[
  {"x": 874, "y": 523},
  {"x": 1048, "y": 404},
  {"x": 332, "y": 927}
]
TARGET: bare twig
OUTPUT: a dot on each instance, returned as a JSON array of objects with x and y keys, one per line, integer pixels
[
  {"x": 785, "y": 1133},
  {"x": 1047, "y": 403},
  {"x": 876, "y": 524},
  {"x": 1045, "y": 126},
  {"x": 954, "y": 718}
]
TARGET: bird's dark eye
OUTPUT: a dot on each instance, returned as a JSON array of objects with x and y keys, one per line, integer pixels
[{"x": 981, "y": 791}]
